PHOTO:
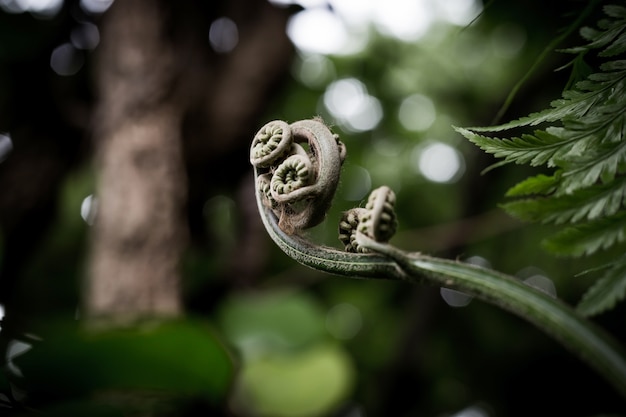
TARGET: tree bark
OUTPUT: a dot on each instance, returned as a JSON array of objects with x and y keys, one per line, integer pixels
[{"x": 139, "y": 232}]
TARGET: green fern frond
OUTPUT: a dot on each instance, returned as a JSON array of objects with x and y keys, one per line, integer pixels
[
  {"x": 598, "y": 89},
  {"x": 536, "y": 149},
  {"x": 611, "y": 37},
  {"x": 583, "y": 205},
  {"x": 588, "y": 238},
  {"x": 600, "y": 165},
  {"x": 538, "y": 185},
  {"x": 582, "y": 136},
  {"x": 607, "y": 291}
]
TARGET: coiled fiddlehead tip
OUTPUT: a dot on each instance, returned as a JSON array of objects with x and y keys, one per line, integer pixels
[
  {"x": 263, "y": 185},
  {"x": 348, "y": 226},
  {"x": 270, "y": 143},
  {"x": 302, "y": 162},
  {"x": 291, "y": 175},
  {"x": 382, "y": 222},
  {"x": 377, "y": 220}
]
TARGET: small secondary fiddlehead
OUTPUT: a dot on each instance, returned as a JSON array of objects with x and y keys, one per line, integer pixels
[
  {"x": 365, "y": 232},
  {"x": 377, "y": 220}
]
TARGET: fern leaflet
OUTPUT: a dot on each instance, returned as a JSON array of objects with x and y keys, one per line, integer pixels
[{"x": 582, "y": 136}]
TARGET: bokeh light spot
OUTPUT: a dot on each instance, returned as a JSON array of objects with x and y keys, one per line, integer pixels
[
  {"x": 6, "y": 146},
  {"x": 455, "y": 298},
  {"x": 15, "y": 348},
  {"x": 40, "y": 8},
  {"x": 88, "y": 209},
  {"x": 95, "y": 6},
  {"x": 85, "y": 36},
  {"x": 417, "y": 113},
  {"x": 345, "y": 22},
  {"x": 472, "y": 411},
  {"x": 319, "y": 30},
  {"x": 315, "y": 70},
  {"x": 223, "y": 35},
  {"x": 406, "y": 20},
  {"x": 478, "y": 261},
  {"x": 542, "y": 283},
  {"x": 344, "y": 321},
  {"x": 458, "y": 12},
  {"x": 349, "y": 103},
  {"x": 66, "y": 60},
  {"x": 439, "y": 162}
]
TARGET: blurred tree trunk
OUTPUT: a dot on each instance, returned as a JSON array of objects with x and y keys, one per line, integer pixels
[
  {"x": 174, "y": 120},
  {"x": 139, "y": 232}
]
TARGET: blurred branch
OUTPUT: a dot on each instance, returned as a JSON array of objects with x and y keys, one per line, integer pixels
[{"x": 459, "y": 233}]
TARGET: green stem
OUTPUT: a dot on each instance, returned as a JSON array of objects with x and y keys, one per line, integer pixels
[{"x": 579, "y": 335}]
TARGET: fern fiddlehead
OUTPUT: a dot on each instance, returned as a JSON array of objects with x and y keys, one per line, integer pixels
[
  {"x": 365, "y": 232},
  {"x": 296, "y": 176},
  {"x": 270, "y": 143},
  {"x": 377, "y": 220}
]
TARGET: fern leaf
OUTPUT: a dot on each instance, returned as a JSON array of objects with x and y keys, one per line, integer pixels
[
  {"x": 537, "y": 149},
  {"x": 600, "y": 165},
  {"x": 538, "y": 185},
  {"x": 612, "y": 10},
  {"x": 576, "y": 103},
  {"x": 582, "y": 135},
  {"x": 606, "y": 292},
  {"x": 588, "y": 238},
  {"x": 584, "y": 205},
  {"x": 602, "y": 38}
]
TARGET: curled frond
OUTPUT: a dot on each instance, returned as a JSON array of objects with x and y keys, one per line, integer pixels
[
  {"x": 270, "y": 143},
  {"x": 263, "y": 184},
  {"x": 292, "y": 174},
  {"x": 348, "y": 226},
  {"x": 380, "y": 222},
  {"x": 376, "y": 221},
  {"x": 301, "y": 161}
]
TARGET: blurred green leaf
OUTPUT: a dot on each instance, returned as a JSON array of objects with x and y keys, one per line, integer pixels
[
  {"x": 178, "y": 357},
  {"x": 307, "y": 383},
  {"x": 270, "y": 321}
]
